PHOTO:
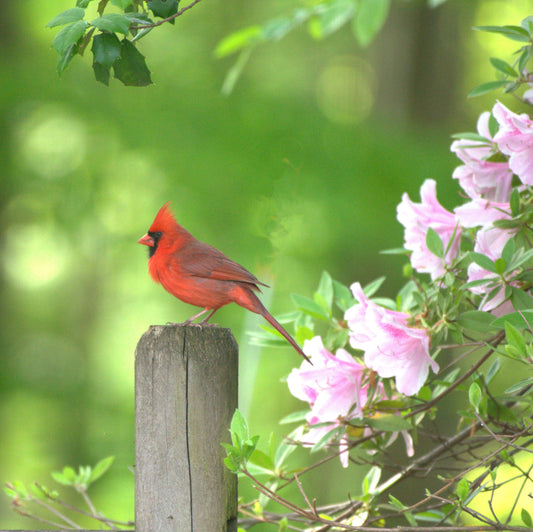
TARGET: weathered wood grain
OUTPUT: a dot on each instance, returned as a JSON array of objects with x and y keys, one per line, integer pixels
[{"x": 185, "y": 395}]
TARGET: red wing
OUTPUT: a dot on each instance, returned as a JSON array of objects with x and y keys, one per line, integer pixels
[{"x": 210, "y": 263}]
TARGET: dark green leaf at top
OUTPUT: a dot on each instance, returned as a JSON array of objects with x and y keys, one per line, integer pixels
[
  {"x": 101, "y": 73},
  {"x": 131, "y": 67},
  {"x": 106, "y": 49},
  {"x": 163, "y": 8}
]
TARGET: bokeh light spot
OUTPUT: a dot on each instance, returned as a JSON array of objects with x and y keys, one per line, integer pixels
[
  {"x": 51, "y": 142},
  {"x": 34, "y": 255},
  {"x": 345, "y": 90}
]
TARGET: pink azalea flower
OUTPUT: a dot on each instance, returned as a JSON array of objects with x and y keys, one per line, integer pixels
[
  {"x": 490, "y": 241},
  {"x": 332, "y": 387},
  {"x": 515, "y": 139},
  {"x": 417, "y": 218},
  {"x": 392, "y": 348},
  {"x": 481, "y": 212},
  {"x": 479, "y": 177}
]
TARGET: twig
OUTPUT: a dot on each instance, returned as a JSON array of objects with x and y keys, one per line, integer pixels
[{"x": 168, "y": 19}]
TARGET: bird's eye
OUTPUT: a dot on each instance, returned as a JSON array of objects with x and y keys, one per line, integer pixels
[{"x": 158, "y": 234}]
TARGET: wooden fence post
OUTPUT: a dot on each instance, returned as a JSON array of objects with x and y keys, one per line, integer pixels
[{"x": 185, "y": 396}]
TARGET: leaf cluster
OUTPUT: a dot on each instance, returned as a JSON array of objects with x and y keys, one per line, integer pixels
[
  {"x": 112, "y": 36},
  {"x": 510, "y": 76}
]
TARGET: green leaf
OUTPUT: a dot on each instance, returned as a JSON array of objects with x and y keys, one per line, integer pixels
[
  {"x": 394, "y": 251},
  {"x": 106, "y": 49},
  {"x": 475, "y": 395},
  {"x": 131, "y": 67},
  {"x": 389, "y": 404},
  {"x": 83, "y": 3},
  {"x": 238, "y": 40},
  {"x": 500, "y": 265},
  {"x": 519, "y": 386},
  {"x": 122, "y": 4},
  {"x": 526, "y": 518},
  {"x": 239, "y": 428},
  {"x": 493, "y": 370},
  {"x": 232, "y": 463},
  {"x": 504, "y": 67},
  {"x": 521, "y": 320},
  {"x": 295, "y": 417},
  {"x": 483, "y": 261},
  {"x": 302, "y": 334},
  {"x": 101, "y": 73},
  {"x": 371, "y": 480},
  {"x": 520, "y": 299},
  {"x": 70, "y": 15},
  {"x": 113, "y": 23},
  {"x": 234, "y": 73},
  {"x": 515, "y": 203},
  {"x": 61, "y": 478},
  {"x": 515, "y": 338},
  {"x": 371, "y": 288},
  {"x": 508, "y": 251},
  {"x": 370, "y": 18},
  {"x": 262, "y": 461},
  {"x": 475, "y": 137},
  {"x": 515, "y": 33},
  {"x": 494, "y": 126},
  {"x": 309, "y": 307},
  {"x": 434, "y": 243},
  {"x": 331, "y": 17},
  {"x": 162, "y": 8},
  {"x": 487, "y": 87},
  {"x": 276, "y": 28},
  {"x": 462, "y": 489},
  {"x": 393, "y": 501},
  {"x": 66, "y": 57},
  {"x": 527, "y": 24},
  {"x": 331, "y": 435},
  {"x": 101, "y": 468},
  {"x": 320, "y": 300},
  {"x": 520, "y": 258},
  {"x": 342, "y": 296},
  {"x": 386, "y": 423},
  {"x": 325, "y": 290},
  {"x": 69, "y": 36}
]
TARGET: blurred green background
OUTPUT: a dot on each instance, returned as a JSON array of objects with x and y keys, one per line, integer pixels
[{"x": 299, "y": 170}]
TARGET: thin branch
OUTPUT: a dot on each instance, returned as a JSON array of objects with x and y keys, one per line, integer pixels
[{"x": 168, "y": 19}]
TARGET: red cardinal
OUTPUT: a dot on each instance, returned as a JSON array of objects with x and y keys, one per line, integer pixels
[{"x": 199, "y": 274}]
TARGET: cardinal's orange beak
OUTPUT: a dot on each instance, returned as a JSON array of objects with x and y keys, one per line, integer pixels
[{"x": 146, "y": 240}]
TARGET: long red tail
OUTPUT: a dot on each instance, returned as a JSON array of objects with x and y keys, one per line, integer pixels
[
  {"x": 283, "y": 332},
  {"x": 247, "y": 299}
]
